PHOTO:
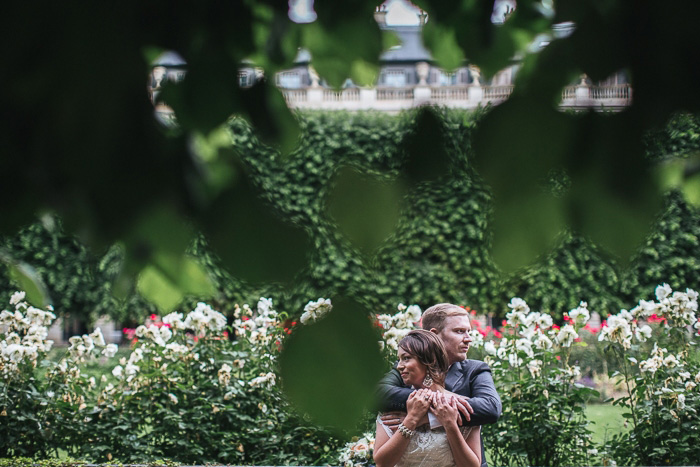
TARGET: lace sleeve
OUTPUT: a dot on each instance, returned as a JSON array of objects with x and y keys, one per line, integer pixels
[{"x": 386, "y": 428}]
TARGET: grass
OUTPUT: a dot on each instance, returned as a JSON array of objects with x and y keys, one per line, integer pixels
[{"x": 607, "y": 419}]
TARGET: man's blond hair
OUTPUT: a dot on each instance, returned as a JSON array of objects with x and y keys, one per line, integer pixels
[{"x": 434, "y": 317}]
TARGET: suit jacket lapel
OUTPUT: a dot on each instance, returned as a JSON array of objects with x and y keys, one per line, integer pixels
[{"x": 453, "y": 377}]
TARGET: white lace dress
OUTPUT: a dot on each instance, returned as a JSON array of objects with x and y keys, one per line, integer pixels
[{"x": 427, "y": 447}]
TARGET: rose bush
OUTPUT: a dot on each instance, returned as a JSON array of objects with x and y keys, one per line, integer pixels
[
  {"x": 650, "y": 349},
  {"x": 192, "y": 389},
  {"x": 661, "y": 382}
]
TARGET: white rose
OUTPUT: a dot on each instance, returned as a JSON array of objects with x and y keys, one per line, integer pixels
[
  {"x": 580, "y": 315},
  {"x": 490, "y": 348},
  {"x": 519, "y": 305},
  {"x": 544, "y": 321},
  {"x": 118, "y": 371},
  {"x": 17, "y": 297},
  {"x": 110, "y": 350},
  {"x": 681, "y": 401},
  {"x": 98, "y": 337},
  {"x": 663, "y": 291}
]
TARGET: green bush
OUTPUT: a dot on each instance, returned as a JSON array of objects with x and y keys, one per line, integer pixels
[{"x": 186, "y": 392}]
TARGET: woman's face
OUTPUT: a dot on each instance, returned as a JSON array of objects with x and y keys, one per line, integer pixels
[{"x": 412, "y": 371}]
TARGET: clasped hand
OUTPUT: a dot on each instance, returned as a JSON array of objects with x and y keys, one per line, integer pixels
[
  {"x": 419, "y": 402},
  {"x": 449, "y": 405}
]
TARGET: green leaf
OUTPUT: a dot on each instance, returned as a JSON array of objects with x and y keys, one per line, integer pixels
[
  {"x": 330, "y": 368},
  {"x": 267, "y": 111},
  {"x": 170, "y": 278},
  {"x": 366, "y": 209},
  {"x": 442, "y": 42},
  {"x": 251, "y": 239},
  {"x": 334, "y": 52},
  {"x": 28, "y": 280}
]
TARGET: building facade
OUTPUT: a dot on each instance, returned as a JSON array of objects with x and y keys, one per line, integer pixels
[{"x": 408, "y": 77}]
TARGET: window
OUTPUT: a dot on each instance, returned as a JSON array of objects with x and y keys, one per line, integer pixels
[
  {"x": 447, "y": 79},
  {"x": 394, "y": 78},
  {"x": 243, "y": 80},
  {"x": 289, "y": 80}
]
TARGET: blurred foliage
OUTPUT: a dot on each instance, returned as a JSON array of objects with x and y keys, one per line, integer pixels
[
  {"x": 575, "y": 269},
  {"x": 82, "y": 141},
  {"x": 76, "y": 283},
  {"x": 670, "y": 253}
]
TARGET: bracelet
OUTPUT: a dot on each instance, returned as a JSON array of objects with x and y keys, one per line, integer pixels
[{"x": 405, "y": 432}]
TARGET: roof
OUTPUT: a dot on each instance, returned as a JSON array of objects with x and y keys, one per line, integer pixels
[
  {"x": 411, "y": 48},
  {"x": 169, "y": 59}
]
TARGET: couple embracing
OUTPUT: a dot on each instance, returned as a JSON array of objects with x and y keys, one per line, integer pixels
[{"x": 435, "y": 400}]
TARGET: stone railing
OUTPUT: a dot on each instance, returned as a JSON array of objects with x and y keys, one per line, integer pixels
[
  {"x": 612, "y": 97},
  {"x": 394, "y": 100},
  {"x": 497, "y": 93}
]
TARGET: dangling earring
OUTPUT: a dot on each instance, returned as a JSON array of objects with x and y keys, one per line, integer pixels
[{"x": 427, "y": 381}]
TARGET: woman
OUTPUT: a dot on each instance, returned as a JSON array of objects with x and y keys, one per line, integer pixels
[{"x": 423, "y": 365}]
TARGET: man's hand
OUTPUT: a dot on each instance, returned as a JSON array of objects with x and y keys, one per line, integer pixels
[
  {"x": 392, "y": 419},
  {"x": 463, "y": 406}
]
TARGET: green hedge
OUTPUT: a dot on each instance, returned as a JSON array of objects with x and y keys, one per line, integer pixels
[
  {"x": 79, "y": 284},
  {"x": 422, "y": 236}
]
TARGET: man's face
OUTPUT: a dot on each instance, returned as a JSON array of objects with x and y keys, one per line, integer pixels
[{"x": 455, "y": 336}]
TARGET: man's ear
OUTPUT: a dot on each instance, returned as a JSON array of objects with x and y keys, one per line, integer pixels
[{"x": 434, "y": 331}]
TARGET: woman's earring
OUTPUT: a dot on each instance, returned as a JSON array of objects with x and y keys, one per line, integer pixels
[{"x": 427, "y": 381}]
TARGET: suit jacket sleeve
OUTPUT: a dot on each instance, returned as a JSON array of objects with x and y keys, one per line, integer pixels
[
  {"x": 391, "y": 393},
  {"x": 483, "y": 396}
]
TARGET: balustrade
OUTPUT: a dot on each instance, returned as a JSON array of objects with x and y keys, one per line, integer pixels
[
  {"x": 492, "y": 93},
  {"x": 615, "y": 91},
  {"x": 293, "y": 96},
  {"x": 352, "y": 94},
  {"x": 460, "y": 93},
  {"x": 390, "y": 94}
]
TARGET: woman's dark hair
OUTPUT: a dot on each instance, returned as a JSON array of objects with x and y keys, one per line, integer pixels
[{"x": 428, "y": 349}]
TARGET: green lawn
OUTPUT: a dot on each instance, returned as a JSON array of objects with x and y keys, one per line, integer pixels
[{"x": 606, "y": 420}]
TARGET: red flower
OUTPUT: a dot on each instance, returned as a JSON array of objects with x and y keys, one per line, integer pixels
[{"x": 154, "y": 317}]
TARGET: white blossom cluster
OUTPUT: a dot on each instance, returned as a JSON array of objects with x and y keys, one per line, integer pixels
[
  {"x": 358, "y": 453},
  {"x": 677, "y": 308},
  {"x": 84, "y": 346},
  {"x": 677, "y": 379},
  {"x": 24, "y": 333},
  {"x": 396, "y": 326},
  {"x": 529, "y": 332},
  {"x": 264, "y": 380},
  {"x": 313, "y": 311},
  {"x": 256, "y": 326},
  {"x": 128, "y": 369}
]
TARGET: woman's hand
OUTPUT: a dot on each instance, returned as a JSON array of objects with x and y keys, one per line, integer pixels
[
  {"x": 417, "y": 406},
  {"x": 445, "y": 408}
]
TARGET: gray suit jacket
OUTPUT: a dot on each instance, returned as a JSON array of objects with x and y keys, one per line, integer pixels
[{"x": 470, "y": 378}]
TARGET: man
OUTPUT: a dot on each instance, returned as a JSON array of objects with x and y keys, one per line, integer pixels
[{"x": 469, "y": 380}]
